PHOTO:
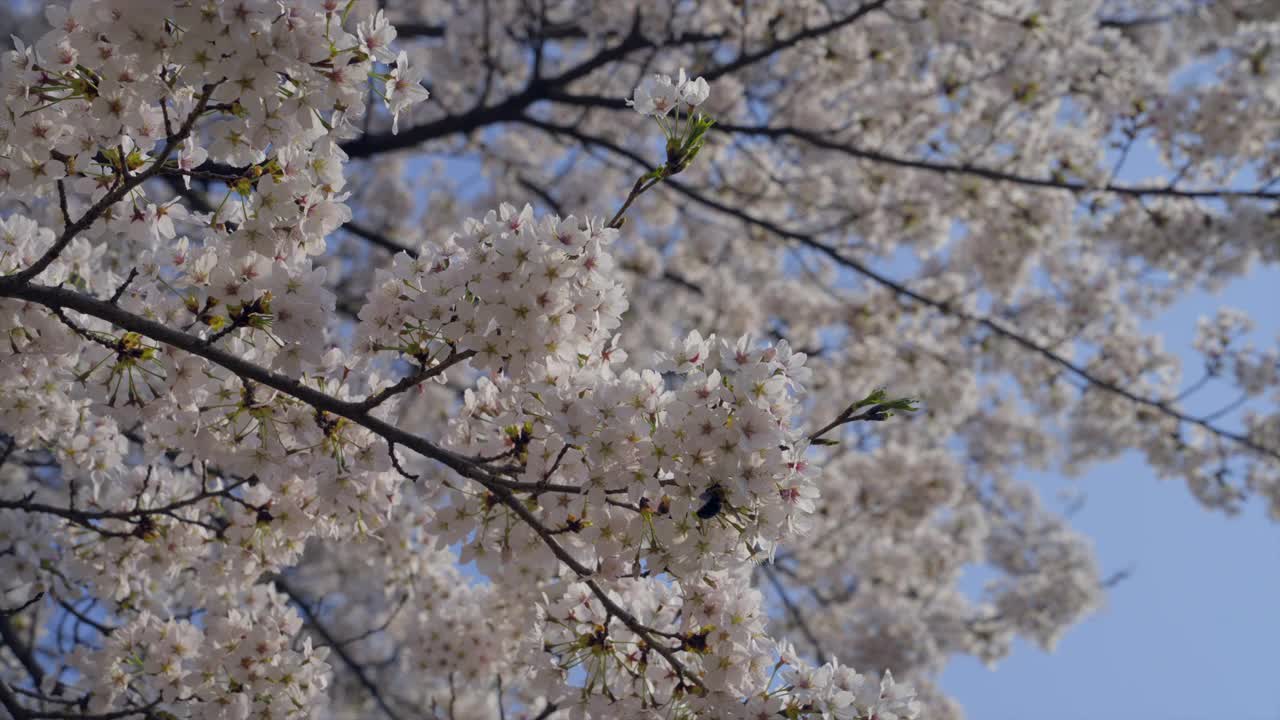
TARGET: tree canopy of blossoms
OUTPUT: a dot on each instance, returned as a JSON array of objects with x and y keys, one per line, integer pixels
[{"x": 509, "y": 359}]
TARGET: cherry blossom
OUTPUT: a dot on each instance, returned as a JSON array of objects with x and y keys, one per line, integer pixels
[{"x": 295, "y": 422}]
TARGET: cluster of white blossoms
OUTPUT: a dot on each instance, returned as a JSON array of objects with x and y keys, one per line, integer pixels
[
  {"x": 1221, "y": 340},
  {"x": 115, "y": 97},
  {"x": 188, "y": 425},
  {"x": 515, "y": 292},
  {"x": 238, "y": 662},
  {"x": 646, "y": 479},
  {"x": 719, "y": 622},
  {"x": 658, "y": 95},
  {"x": 539, "y": 466},
  {"x": 250, "y": 93},
  {"x": 975, "y": 136},
  {"x": 679, "y": 471}
]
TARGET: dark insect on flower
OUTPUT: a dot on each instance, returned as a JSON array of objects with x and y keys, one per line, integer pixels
[
  {"x": 145, "y": 529},
  {"x": 713, "y": 502},
  {"x": 574, "y": 524},
  {"x": 696, "y": 641},
  {"x": 599, "y": 638}
]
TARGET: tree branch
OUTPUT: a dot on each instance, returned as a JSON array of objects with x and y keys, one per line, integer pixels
[
  {"x": 540, "y": 89},
  {"x": 751, "y": 58},
  {"x": 86, "y": 518},
  {"x": 946, "y": 307},
  {"x": 61, "y": 298},
  {"x": 818, "y": 140},
  {"x": 356, "y": 668},
  {"x": 112, "y": 197},
  {"x": 796, "y": 617},
  {"x": 9, "y": 635}
]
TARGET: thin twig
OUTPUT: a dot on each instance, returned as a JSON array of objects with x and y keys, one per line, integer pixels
[
  {"x": 10, "y": 612},
  {"x": 115, "y": 296},
  {"x": 111, "y": 198},
  {"x": 395, "y": 463},
  {"x": 794, "y": 611},
  {"x": 419, "y": 376}
]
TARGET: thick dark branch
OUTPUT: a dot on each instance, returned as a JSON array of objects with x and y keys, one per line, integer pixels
[
  {"x": 540, "y": 89},
  {"x": 60, "y": 298},
  {"x": 408, "y": 29},
  {"x": 561, "y": 31},
  {"x": 682, "y": 282},
  {"x": 506, "y": 110},
  {"x": 369, "y": 145},
  {"x": 1125, "y": 23},
  {"x": 376, "y": 238}
]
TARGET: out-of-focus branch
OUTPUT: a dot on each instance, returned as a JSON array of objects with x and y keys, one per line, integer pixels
[
  {"x": 9, "y": 635},
  {"x": 797, "y": 617},
  {"x": 356, "y": 668},
  {"x": 900, "y": 289},
  {"x": 819, "y": 140}
]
